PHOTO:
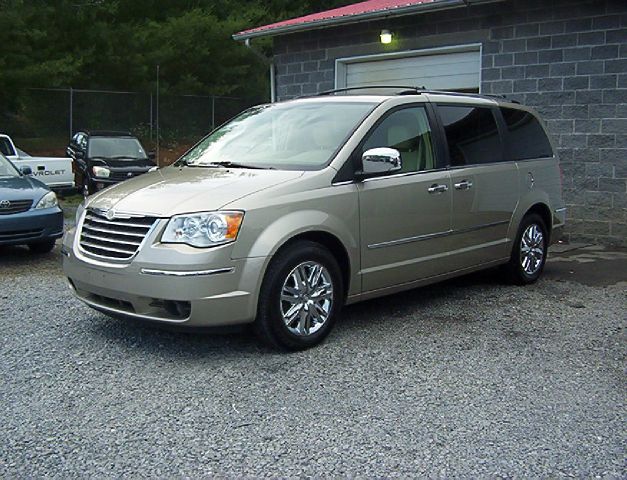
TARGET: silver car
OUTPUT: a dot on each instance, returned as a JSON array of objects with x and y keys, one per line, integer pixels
[{"x": 292, "y": 210}]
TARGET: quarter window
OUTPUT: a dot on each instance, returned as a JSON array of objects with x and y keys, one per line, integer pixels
[
  {"x": 526, "y": 138},
  {"x": 407, "y": 131},
  {"x": 471, "y": 134}
]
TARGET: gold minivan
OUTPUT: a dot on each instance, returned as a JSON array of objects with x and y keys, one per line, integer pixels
[{"x": 291, "y": 210}]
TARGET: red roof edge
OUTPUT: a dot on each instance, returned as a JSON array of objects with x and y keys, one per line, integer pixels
[{"x": 357, "y": 12}]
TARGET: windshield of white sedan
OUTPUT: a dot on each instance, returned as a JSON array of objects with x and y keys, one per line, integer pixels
[{"x": 290, "y": 136}]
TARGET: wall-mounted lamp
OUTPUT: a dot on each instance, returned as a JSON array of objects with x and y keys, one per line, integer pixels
[{"x": 386, "y": 37}]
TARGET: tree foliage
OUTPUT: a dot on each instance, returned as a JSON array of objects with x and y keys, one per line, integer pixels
[{"x": 117, "y": 44}]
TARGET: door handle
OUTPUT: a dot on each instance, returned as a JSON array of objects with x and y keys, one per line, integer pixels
[
  {"x": 435, "y": 188},
  {"x": 463, "y": 185}
]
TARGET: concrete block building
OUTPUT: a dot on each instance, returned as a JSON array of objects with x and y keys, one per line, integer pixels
[{"x": 566, "y": 58}]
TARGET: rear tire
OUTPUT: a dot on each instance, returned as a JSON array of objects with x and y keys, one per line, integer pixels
[
  {"x": 42, "y": 247},
  {"x": 529, "y": 251},
  {"x": 300, "y": 297}
]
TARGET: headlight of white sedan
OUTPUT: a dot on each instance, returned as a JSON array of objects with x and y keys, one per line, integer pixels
[
  {"x": 205, "y": 229},
  {"x": 49, "y": 200}
]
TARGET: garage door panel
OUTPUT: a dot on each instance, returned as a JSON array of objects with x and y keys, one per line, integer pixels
[{"x": 456, "y": 70}]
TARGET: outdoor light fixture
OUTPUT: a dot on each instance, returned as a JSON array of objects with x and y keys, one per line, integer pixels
[{"x": 386, "y": 37}]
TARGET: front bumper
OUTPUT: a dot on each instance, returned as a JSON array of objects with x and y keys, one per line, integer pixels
[
  {"x": 31, "y": 227},
  {"x": 173, "y": 284}
]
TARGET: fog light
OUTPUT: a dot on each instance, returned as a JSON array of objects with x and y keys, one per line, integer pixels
[{"x": 386, "y": 37}]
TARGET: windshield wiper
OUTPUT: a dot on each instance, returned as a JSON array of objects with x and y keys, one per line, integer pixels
[
  {"x": 225, "y": 164},
  {"x": 242, "y": 165},
  {"x": 120, "y": 157}
]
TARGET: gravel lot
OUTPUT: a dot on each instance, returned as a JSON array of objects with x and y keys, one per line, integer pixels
[{"x": 470, "y": 378}]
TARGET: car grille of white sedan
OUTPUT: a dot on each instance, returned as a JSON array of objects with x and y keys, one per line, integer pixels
[{"x": 116, "y": 238}]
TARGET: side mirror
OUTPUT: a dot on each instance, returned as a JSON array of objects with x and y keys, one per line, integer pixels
[
  {"x": 380, "y": 160},
  {"x": 152, "y": 155},
  {"x": 26, "y": 170}
]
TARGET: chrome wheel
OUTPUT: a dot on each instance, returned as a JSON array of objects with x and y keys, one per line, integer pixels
[
  {"x": 532, "y": 249},
  {"x": 307, "y": 298}
]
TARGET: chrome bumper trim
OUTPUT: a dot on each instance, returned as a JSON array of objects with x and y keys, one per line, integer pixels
[{"x": 183, "y": 273}]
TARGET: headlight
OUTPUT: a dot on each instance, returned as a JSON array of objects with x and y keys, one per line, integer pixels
[
  {"x": 47, "y": 201},
  {"x": 79, "y": 212},
  {"x": 205, "y": 229},
  {"x": 101, "y": 172}
]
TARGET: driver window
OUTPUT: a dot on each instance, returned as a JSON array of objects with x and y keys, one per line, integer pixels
[{"x": 407, "y": 131}]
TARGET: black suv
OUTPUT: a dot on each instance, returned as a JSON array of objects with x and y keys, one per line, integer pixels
[{"x": 102, "y": 158}]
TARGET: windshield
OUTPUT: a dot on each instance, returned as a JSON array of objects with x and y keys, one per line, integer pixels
[
  {"x": 6, "y": 168},
  {"x": 289, "y": 136},
  {"x": 112, "y": 147}
]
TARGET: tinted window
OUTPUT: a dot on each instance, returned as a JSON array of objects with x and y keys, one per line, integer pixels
[
  {"x": 408, "y": 132},
  {"x": 526, "y": 138},
  {"x": 112, "y": 147},
  {"x": 471, "y": 134}
]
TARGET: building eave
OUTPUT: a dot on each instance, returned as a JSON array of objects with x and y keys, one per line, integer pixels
[{"x": 356, "y": 18}]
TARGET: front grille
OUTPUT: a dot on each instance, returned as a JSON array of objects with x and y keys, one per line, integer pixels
[
  {"x": 121, "y": 176},
  {"x": 15, "y": 206},
  {"x": 118, "y": 238}
]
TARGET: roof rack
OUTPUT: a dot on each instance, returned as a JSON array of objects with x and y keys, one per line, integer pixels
[
  {"x": 412, "y": 90},
  {"x": 415, "y": 90},
  {"x": 107, "y": 133}
]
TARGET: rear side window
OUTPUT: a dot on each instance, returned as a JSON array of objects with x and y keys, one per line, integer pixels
[
  {"x": 471, "y": 134},
  {"x": 5, "y": 146},
  {"x": 525, "y": 136}
]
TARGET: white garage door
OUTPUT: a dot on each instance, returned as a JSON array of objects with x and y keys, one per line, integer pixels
[{"x": 453, "y": 70}]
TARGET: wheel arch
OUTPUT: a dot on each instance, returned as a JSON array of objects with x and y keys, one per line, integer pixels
[
  {"x": 333, "y": 244},
  {"x": 544, "y": 211}
]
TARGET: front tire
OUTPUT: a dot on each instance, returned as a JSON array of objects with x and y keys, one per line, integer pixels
[
  {"x": 300, "y": 297},
  {"x": 529, "y": 252}
]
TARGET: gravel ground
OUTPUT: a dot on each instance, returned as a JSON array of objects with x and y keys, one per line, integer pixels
[{"x": 470, "y": 378}]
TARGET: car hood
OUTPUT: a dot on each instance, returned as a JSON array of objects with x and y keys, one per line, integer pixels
[
  {"x": 174, "y": 190},
  {"x": 21, "y": 188}
]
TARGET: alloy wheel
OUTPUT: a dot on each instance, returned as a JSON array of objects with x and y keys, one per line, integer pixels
[
  {"x": 532, "y": 249},
  {"x": 307, "y": 298}
]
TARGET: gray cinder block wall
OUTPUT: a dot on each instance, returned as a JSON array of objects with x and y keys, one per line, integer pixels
[{"x": 566, "y": 58}]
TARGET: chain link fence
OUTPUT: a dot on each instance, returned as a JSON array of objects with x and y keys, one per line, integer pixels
[{"x": 46, "y": 118}]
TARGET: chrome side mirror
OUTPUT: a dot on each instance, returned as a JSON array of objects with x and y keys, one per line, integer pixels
[{"x": 380, "y": 160}]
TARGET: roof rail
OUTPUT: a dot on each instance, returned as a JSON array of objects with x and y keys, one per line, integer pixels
[
  {"x": 411, "y": 90},
  {"x": 405, "y": 88}
]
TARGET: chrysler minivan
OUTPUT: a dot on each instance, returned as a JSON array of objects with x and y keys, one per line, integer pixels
[{"x": 291, "y": 210}]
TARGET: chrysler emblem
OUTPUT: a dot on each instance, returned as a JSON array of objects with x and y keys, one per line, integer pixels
[
  {"x": 110, "y": 214},
  {"x": 5, "y": 204},
  {"x": 129, "y": 174}
]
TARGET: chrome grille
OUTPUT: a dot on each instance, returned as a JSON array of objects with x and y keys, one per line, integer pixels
[
  {"x": 118, "y": 238},
  {"x": 14, "y": 206}
]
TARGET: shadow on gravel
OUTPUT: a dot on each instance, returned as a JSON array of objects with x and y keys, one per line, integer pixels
[
  {"x": 181, "y": 344},
  {"x": 383, "y": 313},
  {"x": 21, "y": 256}
]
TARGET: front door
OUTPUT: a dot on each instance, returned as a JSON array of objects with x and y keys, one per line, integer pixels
[{"x": 404, "y": 216}]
